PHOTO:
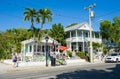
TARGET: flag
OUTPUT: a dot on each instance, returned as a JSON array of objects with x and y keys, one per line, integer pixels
[{"x": 53, "y": 44}]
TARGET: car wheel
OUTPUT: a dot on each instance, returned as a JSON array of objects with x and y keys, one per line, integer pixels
[
  {"x": 116, "y": 60},
  {"x": 106, "y": 61}
]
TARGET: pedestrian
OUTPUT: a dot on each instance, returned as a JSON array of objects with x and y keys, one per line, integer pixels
[{"x": 14, "y": 59}]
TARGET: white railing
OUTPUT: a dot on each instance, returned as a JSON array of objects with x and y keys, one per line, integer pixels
[{"x": 81, "y": 39}]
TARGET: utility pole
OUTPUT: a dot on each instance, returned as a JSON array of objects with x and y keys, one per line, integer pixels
[{"x": 91, "y": 15}]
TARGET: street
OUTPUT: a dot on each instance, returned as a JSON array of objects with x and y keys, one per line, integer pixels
[{"x": 90, "y": 71}]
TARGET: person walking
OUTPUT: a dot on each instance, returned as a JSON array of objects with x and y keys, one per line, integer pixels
[{"x": 14, "y": 59}]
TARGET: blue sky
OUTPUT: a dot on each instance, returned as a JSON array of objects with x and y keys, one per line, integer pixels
[{"x": 64, "y": 11}]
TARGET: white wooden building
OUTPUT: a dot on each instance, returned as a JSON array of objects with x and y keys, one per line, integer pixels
[
  {"x": 31, "y": 47},
  {"x": 79, "y": 35}
]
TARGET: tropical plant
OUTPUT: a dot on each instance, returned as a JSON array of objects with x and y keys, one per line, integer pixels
[
  {"x": 115, "y": 30},
  {"x": 105, "y": 51},
  {"x": 96, "y": 46},
  {"x": 105, "y": 29},
  {"x": 30, "y": 15},
  {"x": 69, "y": 53},
  {"x": 57, "y": 33},
  {"x": 4, "y": 46},
  {"x": 42, "y": 15},
  {"x": 83, "y": 55},
  {"x": 111, "y": 31}
]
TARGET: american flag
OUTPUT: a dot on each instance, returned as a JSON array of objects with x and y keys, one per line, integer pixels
[{"x": 53, "y": 44}]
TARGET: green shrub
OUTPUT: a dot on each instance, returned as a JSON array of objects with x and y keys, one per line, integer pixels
[
  {"x": 105, "y": 51},
  {"x": 83, "y": 55},
  {"x": 69, "y": 53},
  {"x": 80, "y": 54}
]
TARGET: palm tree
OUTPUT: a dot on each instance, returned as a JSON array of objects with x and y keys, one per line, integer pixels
[
  {"x": 30, "y": 15},
  {"x": 42, "y": 15}
]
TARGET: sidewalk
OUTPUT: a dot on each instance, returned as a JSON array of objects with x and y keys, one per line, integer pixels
[{"x": 7, "y": 68}]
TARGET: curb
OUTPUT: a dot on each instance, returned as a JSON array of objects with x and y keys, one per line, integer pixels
[{"x": 21, "y": 69}]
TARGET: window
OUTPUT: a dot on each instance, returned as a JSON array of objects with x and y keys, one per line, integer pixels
[
  {"x": 86, "y": 34},
  {"x": 30, "y": 48}
]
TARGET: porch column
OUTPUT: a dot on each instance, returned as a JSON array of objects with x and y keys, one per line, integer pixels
[
  {"x": 83, "y": 44},
  {"x": 82, "y": 35},
  {"x": 28, "y": 48},
  {"x": 41, "y": 48},
  {"x": 32, "y": 52},
  {"x": 33, "y": 49},
  {"x": 24, "y": 53},
  {"x": 70, "y": 40},
  {"x": 36, "y": 47},
  {"x": 88, "y": 34},
  {"x": 76, "y": 40}
]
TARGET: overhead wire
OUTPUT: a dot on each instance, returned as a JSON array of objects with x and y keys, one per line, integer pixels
[
  {"x": 60, "y": 15},
  {"x": 55, "y": 14}
]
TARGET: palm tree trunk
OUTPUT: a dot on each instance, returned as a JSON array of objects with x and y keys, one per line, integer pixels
[
  {"x": 32, "y": 25},
  {"x": 32, "y": 28},
  {"x": 40, "y": 33},
  {"x": 41, "y": 26}
]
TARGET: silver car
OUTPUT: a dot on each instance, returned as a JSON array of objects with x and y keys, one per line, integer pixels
[{"x": 115, "y": 57}]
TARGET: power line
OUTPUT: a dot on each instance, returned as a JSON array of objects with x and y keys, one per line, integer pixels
[
  {"x": 13, "y": 4},
  {"x": 60, "y": 15},
  {"x": 109, "y": 13}
]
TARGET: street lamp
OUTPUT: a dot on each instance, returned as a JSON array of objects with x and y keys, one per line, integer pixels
[
  {"x": 91, "y": 15},
  {"x": 46, "y": 38}
]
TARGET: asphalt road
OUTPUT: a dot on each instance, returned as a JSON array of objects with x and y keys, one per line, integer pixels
[{"x": 90, "y": 71}]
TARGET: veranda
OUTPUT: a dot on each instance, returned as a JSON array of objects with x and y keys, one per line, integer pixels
[{"x": 33, "y": 51}]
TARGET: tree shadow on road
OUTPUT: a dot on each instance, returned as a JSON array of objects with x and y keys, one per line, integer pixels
[{"x": 109, "y": 73}]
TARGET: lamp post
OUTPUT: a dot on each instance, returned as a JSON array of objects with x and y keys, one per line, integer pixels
[
  {"x": 91, "y": 15},
  {"x": 46, "y": 38}
]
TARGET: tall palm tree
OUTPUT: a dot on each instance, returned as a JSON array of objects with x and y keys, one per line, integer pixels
[
  {"x": 30, "y": 15},
  {"x": 42, "y": 15}
]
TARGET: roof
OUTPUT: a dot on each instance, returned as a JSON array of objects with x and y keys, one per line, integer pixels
[
  {"x": 50, "y": 40},
  {"x": 82, "y": 26},
  {"x": 42, "y": 40},
  {"x": 29, "y": 41}
]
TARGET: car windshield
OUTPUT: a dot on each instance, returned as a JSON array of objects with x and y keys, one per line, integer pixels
[{"x": 113, "y": 55}]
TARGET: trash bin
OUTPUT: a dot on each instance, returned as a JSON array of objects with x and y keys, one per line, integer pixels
[{"x": 53, "y": 61}]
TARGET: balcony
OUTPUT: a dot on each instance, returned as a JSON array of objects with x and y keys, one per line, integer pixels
[{"x": 81, "y": 39}]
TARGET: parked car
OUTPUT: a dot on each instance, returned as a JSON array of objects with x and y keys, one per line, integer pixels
[{"x": 115, "y": 57}]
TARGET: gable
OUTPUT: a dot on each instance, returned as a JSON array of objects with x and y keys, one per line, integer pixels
[
  {"x": 49, "y": 41},
  {"x": 84, "y": 27}
]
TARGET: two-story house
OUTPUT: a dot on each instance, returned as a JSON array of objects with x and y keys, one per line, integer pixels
[{"x": 78, "y": 37}]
